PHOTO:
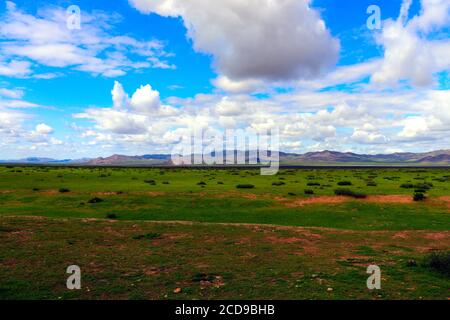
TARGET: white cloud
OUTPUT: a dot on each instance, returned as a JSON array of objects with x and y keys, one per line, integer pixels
[
  {"x": 11, "y": 93},
  {"x": 241, "y": 86},
  {"x": 145, "y": 99},
  {"x": 44, "y": 129},
  {"x": 45, "y": 39},
  {"x": 15, "y": 68},
  {"x": 362, "y": 136},
  {"x": 411, "y": 53},
  {"x": 119, "y": 96},
  {"x": 254, "y": 39}
]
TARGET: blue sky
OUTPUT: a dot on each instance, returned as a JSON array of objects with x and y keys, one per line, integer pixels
[{"x": 140, "y": 74}]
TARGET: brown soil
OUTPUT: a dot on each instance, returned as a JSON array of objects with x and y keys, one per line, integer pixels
[
  {"x": 105, "y": 193},
  {"x": 49, "y": 192},
  {"x": 314, "y": 200},
  {"x": 401, "y": 199},
  {"x": 390, "y": 199},
  {"x": 155, "y": 193},
  {"x": 7, "y": 191}
]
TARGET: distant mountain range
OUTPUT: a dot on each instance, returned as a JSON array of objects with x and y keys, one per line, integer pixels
[{"x": 440, "y": 157}]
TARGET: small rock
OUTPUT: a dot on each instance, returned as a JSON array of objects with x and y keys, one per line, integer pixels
[
  {"x": 330, "y": 289},
  {"x": 177, "y": 290}
]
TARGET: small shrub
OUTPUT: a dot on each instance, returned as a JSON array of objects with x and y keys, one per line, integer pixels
[
  {"x": 309, "y": 191},
  {"x": 371, "y": 184},
  {"x": 313, "y": 184},
  {"x": 349, "y": 193},
  {"x": 426, "y": 186},
  {"x": 111, "y": 216},
  {"x": 35, "y": 189},
  {"x": 291, "y": 194},
  {"x": 199, "y": 277},
  {"x": 63, "y": 190},
  {"x": 219, "y": 182},
  {"x": 165, "y": 182},
  {"x": 407, "y": 186},
  {"x": 148, "y": 236},
  {"x": 418, "y": 196},
  {"x": 95, "y": 200},
  {"x": 150, "y": 182},
  {"x": 201, "y": 183},
  {"x": 245, "y": 186},
  {"x": 438, "y": 261},
  {"x": 278, "y": 183},
  {"x": 344, "y": 183}
]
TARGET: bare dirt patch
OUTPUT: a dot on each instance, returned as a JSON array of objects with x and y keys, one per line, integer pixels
[
  {"x": 7, "y": 191},
  {"x": 315, "y": 200},
  {"x": 444, "y": 199},
  {"x": 401, "y": 199},
  {"x": 155, "y": 193},
  {"x": 250, "y": 196},
  {"x": 401, "y": 235},
  {"x": 438, "y": 236},
  {"x": 108, "y": 193},
  {"x": 49, "y": 192},
  {"x": 390, "y": 199}
]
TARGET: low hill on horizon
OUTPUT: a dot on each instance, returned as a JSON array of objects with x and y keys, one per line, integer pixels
[{"x": 326, "y": 157}]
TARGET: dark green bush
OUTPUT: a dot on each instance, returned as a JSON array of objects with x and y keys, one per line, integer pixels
[
  {"x": 201, "y": 183},
  {"x": 150, "y": 182},
  {"x": 309, "y": 191},
  {"x": 425, "y": 185},
  {"x": 64, "y": 190},
  {"x": 371, "y": 184},
  {"x": 149, "y": 236},
  {"x": 349, "y": 193},
  {"x": 95, "y": 200},
  {"x": 111, "y": 216},
  {"x": 438, "y": 261},
  {"x": 313, "y": 184},
  {"x": 344, "y": 183},
  {"x": 278, "y": 183},
  {"x": 245, "y": 186},
  {"x": 418, "y": 196},
  {"x": 407, "y": 186}
]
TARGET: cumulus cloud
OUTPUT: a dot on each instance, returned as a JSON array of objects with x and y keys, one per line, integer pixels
[
  {"x": 240, "y": 86},
  {"x": 44, "y": 129},
  {"x": 119, "y": 96},
  {"x": 145, "y": 99},
  {"x": 410, "y": 50},
  {"x": 254, "y": 39},
  {"x": 362, "y": 122},
  {"x": 44, "y": 39}
]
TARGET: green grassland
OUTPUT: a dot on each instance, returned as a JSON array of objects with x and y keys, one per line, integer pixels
[{"x": 140, "y": 233}]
